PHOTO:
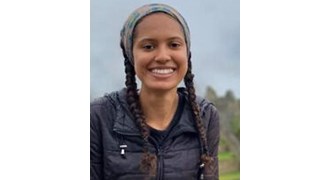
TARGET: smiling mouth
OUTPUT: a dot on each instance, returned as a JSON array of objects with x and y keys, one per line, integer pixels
[{"x": 163, "y": 71}]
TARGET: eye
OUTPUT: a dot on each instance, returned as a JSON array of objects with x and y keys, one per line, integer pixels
[
  {"x": 148, "y": 47},
  {"x": 175, "y": 45}
]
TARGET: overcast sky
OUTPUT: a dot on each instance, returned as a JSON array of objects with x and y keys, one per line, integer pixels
[{"x": 215, "y": 43}]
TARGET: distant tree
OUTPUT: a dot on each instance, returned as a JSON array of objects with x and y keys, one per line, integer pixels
[
  {"x": 230, "y": 95},
  {"x": 211, "y": 95},
  {"x": 228, "y": 107}
]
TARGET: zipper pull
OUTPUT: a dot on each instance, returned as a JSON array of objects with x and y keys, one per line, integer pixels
[
  {"x": 122, "y": 150},
  {"x": 201, "y": 168}
]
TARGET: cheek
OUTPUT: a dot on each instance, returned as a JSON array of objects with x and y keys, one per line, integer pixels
[
  {"x": 182, "y": 55},
  {"x": 139, "y": 66},
  {"x": 184, "y": 62},
  {"x": 185, "y": 70},
  {"x": 184, "y": 66}
]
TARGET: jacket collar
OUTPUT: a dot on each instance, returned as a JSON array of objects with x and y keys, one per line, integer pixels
[{"x": 125, "y": 124}]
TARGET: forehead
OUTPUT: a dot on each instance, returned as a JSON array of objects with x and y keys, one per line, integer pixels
[{"x": 158, "y": 22}]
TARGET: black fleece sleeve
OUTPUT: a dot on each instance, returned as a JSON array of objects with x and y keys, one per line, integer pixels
[
  {"x": 213, "y": 137},
  {"x": 96, "y": 148}
]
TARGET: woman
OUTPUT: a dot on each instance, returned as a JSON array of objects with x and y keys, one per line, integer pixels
[{"x": 159, "y": 131}]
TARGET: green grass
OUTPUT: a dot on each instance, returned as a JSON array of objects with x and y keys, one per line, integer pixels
[
  {"x": 230, "y": 176},
  {"x": 225, "y": 156}
]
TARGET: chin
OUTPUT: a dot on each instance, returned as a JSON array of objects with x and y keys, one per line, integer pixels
[{"x": 161, "y": 86}]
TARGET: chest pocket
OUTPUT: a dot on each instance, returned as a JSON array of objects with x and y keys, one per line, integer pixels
[
  {"x": 123, "y": 162},
  {"x": 119, "y": 167}
]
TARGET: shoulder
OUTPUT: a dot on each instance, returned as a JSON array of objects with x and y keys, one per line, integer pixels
[
  {"x": 102, "y": 102},
  {"x": 210, "y": 117},
  {"x": 108, "y": 100},
  {"x": 204, "y": 104},
  {"x": 106, "y": 106},
  {"x": 207, "y": 108}
]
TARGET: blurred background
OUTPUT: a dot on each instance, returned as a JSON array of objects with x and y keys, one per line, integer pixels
[{"x": 215, "y": 47}]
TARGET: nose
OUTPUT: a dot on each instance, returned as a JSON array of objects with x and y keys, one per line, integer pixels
[{"x": 162, "y": 54}]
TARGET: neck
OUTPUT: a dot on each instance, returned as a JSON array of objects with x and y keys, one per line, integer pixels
[{"x": 159, "y": 107}]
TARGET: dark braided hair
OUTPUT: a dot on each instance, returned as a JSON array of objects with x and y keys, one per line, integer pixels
[
  {"x": 206, "y": 159},
  {"x": 148, "y": 161}
]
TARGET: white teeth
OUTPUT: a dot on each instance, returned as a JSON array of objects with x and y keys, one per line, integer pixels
[{"x": 162, "y": 71}]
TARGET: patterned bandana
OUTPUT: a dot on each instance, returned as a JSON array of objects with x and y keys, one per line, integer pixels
[{"x": 126, "y": 33}]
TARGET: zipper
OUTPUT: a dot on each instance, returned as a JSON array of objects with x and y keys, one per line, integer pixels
[
  {"x": 160, "y": 159},
  {"x": 160, "y": 165}
]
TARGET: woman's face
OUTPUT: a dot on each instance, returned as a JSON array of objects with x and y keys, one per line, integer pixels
[{"x": 160, "y": 52}]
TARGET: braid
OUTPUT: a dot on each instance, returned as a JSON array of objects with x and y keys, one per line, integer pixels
[
  {"x": 148, "y": 161},
  {"x": 188, "y": 80}
]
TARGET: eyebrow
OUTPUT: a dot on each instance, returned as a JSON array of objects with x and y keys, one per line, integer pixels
[{"x": 152, "y": 39}]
